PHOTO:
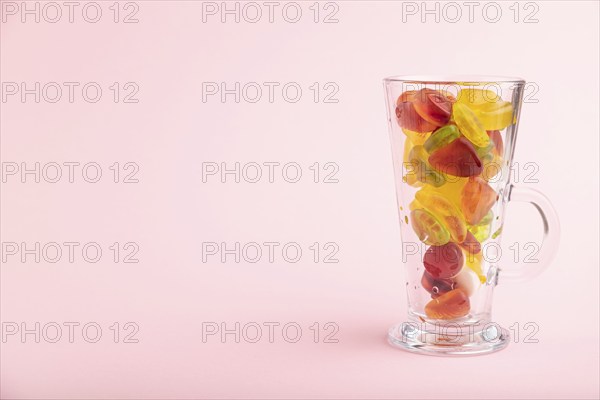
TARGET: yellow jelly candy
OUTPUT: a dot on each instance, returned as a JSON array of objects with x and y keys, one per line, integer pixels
[
  {"x": 411, "y": 167},
  {"x": 477, "y": 97},
  {"x": 411, "y": 179},
  {"x": 421, "y": 168},
  {"x": 416, "y": 137},
  {"x": 451, "y": 190},
  {"x": 495, "y": 116},
  {"x": 475, "y": 264},
  {"x": 483, "y": 228},
  {"x": 408, "y": 145},
  {"x": 469, "y": 125},
  {"x": 428, "y": 228},
  {"x": 446, "y": 212},
  {"x": 414, "y": 205}
]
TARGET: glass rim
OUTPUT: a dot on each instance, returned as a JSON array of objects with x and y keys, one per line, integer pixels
[{"x": 456, "y": 79}]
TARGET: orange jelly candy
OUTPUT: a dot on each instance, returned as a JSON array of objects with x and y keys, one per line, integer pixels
[
  {"x": 407, "y": 96},
  {"x": 477, "y": 199},
  {"x": 450, "y": 305},
  {"x": 498, "y": 143}
]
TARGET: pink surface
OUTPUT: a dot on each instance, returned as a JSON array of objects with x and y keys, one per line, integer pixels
[{"x": 171, "y": 294}]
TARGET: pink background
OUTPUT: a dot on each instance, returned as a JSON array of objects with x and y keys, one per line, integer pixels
[{"x": 170, "y": 212}]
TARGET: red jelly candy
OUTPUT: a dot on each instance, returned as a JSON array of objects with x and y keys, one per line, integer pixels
[
  {"x": 471, "y": 244},
  {"x": 498, "y": 143},
  {"x": 477, "y": 199},
  {"x": 458, "y": 158},
  {"x": 409, "y": 119},
  {"x": 407, "y": 116},
  {"x": 433, "y": 106},
  {"x": 443, "y": 262},
  {"x": 450, "y": 305},
  {"x": 436, "y": 287}
]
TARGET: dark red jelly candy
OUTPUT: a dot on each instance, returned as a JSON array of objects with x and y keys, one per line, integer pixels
[
  {"x": 458, "y": 158},
  {"x": 436, "y": 287},
  {"x": 443, "y": 262}
]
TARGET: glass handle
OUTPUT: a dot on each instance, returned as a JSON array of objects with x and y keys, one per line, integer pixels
[{"x": 551, "y": 237}]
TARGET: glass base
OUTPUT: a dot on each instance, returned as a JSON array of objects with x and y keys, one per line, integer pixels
[{"x": 450, "y": 339}]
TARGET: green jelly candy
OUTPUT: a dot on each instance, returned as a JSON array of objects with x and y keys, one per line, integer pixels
[
  {"x": 485, "y": 153},
  {"x": 441, "y": 137}
]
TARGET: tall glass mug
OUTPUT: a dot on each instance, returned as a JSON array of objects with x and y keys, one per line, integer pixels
[{"x": 453, "y": 142}]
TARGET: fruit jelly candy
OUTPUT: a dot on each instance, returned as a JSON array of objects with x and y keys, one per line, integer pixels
[
  {"x": 450, "y": 305},
  {"x": 492, "y": 160},
  {"x": 406, "y": 97},
  {"x": 448, "y": 95},
  {"x": 428, "y": 228},
  {"x": 485, "y": 153},
  {"x": 443, "y": 262},
  {"x": 446, "y": 212},
  {"x": 487, "y": 156},
  {"x": 441, "y": 137},
  {"x": 410, "y": 95},
  {"x": 459, "y": 158},
  {"x": 408, "y": 118},
  {"x": 471, "y": 245},
  {"x": 478, "y": 197},
  {"x": 414, "y": 205},
  {"x": 432, "y": 106},
  {"x": 410, "y": 177},
  {"x": 469, "y": 125},
  {"x": 408, "y": 146},
  {"x": 492, "y": 167},
  {"x": 416, "y": 137},
  {"x": 451, "y": 190},
  {"x": 437, "y": 287},
  {"x": 496, "y": 138},
  {"x": 466, "y": 280},
  {"x": 482, "y": 230},
  {"x": 495, "y": 116},
  {"x": 424, "y": 172},
  {"x": 476, "y": 98}
]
